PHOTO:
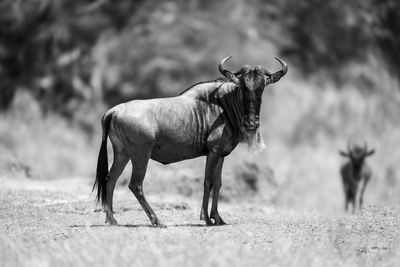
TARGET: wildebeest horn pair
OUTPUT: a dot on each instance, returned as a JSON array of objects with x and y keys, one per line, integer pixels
[
  {"x": 350, "y": 147},
  {"x": 233, "y": 75}
]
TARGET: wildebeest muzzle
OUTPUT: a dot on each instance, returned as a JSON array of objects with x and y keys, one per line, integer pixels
[{"x": 251, "y": 122}]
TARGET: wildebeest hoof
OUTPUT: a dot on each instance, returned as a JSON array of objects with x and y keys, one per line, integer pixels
[
  {"x": 209, "y": 223},
  {"x": 157, "y": 223},
  {"x": 218, "y": 220},
  {"x": 160, "y": 225},
  {"x": 204, "y": 217},
  {"x": 111, "y": 221}
]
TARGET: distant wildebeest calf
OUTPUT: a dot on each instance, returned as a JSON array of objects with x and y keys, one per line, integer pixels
[
  {"x": 208, "y": 119},
  {"x": 355, "y": 172}
]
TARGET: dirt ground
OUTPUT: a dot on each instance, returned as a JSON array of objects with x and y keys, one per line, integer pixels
[{"x": 56, "y": 223}]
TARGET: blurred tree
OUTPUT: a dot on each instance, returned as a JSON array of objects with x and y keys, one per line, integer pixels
[
  {"x": 65, "y": 52},
  {"x": 19, "y": 21},
  {"x": 166, "y": 48},
  {"x": 327, "y": 35},
  {"x": 7, "y": 92},
  {"x": 386, "y": 29},
  {"x": 43, "y": 44}
]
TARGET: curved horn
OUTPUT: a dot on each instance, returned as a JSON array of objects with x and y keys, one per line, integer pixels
[
  {"x": 283, "y": 64},
  {"x": 279, "y": 74},
  {"x": 348, "y": 147},
  {"x": 226, "y": 73},
  {"x": 221, "y": 66}
]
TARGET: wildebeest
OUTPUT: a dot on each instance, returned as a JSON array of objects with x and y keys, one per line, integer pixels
[
  {"x": 355, "y": 172},
  {"x": 207, "y": 119}
]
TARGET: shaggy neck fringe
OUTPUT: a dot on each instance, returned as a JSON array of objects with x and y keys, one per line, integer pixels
[
  {"x": 230, "y": 98},
  {"x": 254, "y": 141}
]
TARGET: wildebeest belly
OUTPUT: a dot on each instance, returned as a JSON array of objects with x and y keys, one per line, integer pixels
[{"x": 170, "y": 153}]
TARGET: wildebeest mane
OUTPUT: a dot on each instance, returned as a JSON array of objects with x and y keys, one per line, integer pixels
[
  {"x": 199, "y": 83},
  {"x": 229, "y": 97}
]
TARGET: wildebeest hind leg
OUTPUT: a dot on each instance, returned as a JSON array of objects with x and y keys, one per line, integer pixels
[
  {"x": 346, "y": 202},
  {"x": 118, "y": 165},
  {"x": 216, "y": 187},
  {"x": 139, "y": 167}
]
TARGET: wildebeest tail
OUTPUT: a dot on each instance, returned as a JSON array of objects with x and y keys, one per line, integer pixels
[{"x": 102, "y": 162}]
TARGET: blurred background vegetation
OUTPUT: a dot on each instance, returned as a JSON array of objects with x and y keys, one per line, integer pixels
[{"x": 63, "y": 63}]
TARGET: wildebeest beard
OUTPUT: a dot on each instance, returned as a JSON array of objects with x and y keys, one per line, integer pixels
[
  {"x": 254, "y": 140},
  {"x": 231, "y": 100}
]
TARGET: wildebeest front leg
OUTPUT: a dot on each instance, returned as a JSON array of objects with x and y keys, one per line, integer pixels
[
  {"x": 216, "y": 187},
  {"x": 139, "y": 167},
  {"x": 346, "y": 197},
  {"x": 362, "y": 192},
  {"x": 119, "y": 163},
  {"x": 211, "y": 164},
  {"x": 353, "y": 202}
]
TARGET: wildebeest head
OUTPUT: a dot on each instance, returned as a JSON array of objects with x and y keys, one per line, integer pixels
[
  {"x": 252, "y": 82},
  {"x": 357, "y": 153}
]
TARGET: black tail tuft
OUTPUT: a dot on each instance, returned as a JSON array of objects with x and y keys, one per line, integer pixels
[{"x": 102, "y": 163}]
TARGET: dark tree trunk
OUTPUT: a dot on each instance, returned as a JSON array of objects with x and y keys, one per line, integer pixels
[{"x": 7, "y": 93}]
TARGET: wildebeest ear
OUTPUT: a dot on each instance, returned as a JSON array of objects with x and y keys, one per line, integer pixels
[
  {"x": 370, "y": 153},
  {"x": 344, "y": 154}
]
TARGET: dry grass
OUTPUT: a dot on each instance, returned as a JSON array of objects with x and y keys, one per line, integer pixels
[{"x": 53, "y": 224}]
